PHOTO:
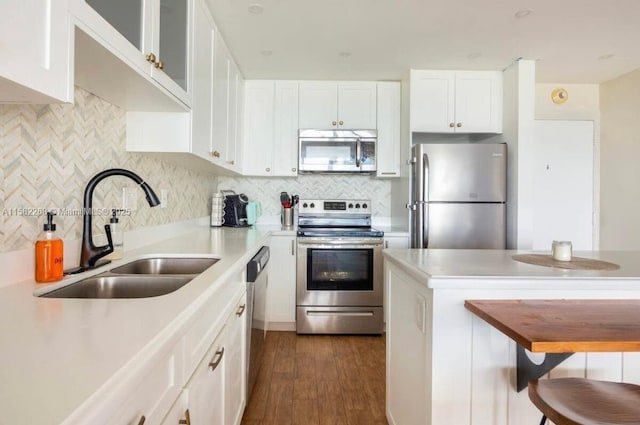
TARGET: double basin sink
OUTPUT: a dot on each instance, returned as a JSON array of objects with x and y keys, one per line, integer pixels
[{"x": 143, "y": 278}]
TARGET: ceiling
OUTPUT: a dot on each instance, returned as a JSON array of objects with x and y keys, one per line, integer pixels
[{"x": 573, "y": 41}]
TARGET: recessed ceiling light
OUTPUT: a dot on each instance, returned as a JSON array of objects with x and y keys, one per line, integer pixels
[
  {"x": 266, "y": 52},
  {"x": 344, "y": 54},
  {"x": 474, "y": 55},
  {"x": 605, "y": 57},
  {"x": 255, "y": 8},
  {"x": 523, "y": 13}
]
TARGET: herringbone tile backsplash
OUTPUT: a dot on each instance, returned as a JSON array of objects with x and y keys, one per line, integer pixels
[
  {"x": 49, "y": 153},
  {"x": 267, "y": 190}
]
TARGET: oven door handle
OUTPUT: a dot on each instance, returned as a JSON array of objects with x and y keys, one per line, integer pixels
[{"x": 340, "y": 313}]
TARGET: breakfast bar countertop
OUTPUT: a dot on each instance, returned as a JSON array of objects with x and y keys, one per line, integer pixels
[
  {"x": 564, "y": 326},
  {"x": 495, "y": 269}
]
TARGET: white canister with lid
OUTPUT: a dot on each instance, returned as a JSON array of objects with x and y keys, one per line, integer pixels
[
  {"x": 561, "y": 250},
  {"x": 217, "y": 210}
]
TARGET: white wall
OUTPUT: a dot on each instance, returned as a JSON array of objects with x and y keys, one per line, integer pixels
[
  {"x": 582, "y": 104},
  {"x": 620, "y": 163}
]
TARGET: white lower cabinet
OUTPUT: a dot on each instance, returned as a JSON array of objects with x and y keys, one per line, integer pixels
[
  {"x": 150, "y": 399},
  {"x": 407, "y": 350},
  {"x": 281, "y": 292},
  {"x": 215, "y": 394},
  {"x": 202, "y": 399},
  {"x": 396, "y": 241},
  {"x": 235, "y": 379}
]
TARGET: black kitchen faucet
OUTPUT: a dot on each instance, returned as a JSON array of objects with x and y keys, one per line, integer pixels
[{"x": 90, "y": 254}]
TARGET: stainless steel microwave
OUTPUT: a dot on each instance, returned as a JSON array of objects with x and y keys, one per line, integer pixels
[{"x": 337, "y": 151}]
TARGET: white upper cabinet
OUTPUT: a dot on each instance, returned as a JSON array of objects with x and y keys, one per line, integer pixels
[
  {"x": 234, "y": 115},
  {"x": 152, "y": 36},
  {"x": 258, "y": 128},
  {"x": 357, "y": 105},
  {"x": 227, "y": 108},
  {"x": 221, "y": 84},
  {"x": 285, "y": 146},
  {"x": 349, "y": 105},
  {"x": 456, "y": 101},
  {"x": 270, "y": 128},
  {"x": 35, "y": 51},
  {"x": 202, "y": 108},
  {"x": 388, "y": 155}
]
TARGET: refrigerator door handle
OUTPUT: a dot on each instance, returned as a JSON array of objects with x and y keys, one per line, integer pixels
[{"x": 425, "y": 198}]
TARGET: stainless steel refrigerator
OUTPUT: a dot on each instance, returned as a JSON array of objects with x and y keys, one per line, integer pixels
[{"x": 458, "y": 195}]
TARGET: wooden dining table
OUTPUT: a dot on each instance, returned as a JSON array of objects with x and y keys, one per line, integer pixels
[{"x": 560, "y": 328}]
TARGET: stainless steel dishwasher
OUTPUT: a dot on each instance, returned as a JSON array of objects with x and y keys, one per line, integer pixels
[{"x": 257, "y": 281}]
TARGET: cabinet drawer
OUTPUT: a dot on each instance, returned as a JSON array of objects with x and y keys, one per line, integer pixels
[
  {"x": 210, "y": 320},
  {"x": 178, "y": 410},
  {"x": 155, "y": 393}
]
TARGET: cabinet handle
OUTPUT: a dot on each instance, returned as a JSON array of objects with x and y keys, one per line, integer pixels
[
  {"x": 451, "y": 125},
  {"x": 142, "y": 419},
  {"x": 293, "y": 247},
  {"x": 459, "y": 124},
  {"x": 160, "y": 65},
  {"x": 333, "y": 123},
  {"x": 240, "y": 310},
  {"x": 187, "y": 418},
  {"x": 386, "y": 244},
  {"x": 231, "y": 162},
  {"x": 268, "y": 170},
  {"x": 388, "y": 173},
  {"x": 341, "y": 123},
  {"x": 215, "y": 361},
  {"x": 151, "y": 57},
  {"x": 294, "y": 169},
  {"x": 215, "y": 154}
]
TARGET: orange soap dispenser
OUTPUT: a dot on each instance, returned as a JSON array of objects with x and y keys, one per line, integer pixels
[{"x": 49, "y": 254}]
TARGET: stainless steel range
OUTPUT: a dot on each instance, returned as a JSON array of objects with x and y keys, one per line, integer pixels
[{"x": 339, "y": 268}]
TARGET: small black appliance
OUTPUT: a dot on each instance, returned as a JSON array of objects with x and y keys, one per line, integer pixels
[{"x": 235, "y": 210}]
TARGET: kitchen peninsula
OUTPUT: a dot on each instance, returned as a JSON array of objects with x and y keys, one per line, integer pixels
[{"x": 445, "y": 365}]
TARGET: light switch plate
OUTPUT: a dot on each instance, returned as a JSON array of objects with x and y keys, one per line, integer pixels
[
  {"x": 129, "y": 198},
  {"x": 164, "y": 196}
]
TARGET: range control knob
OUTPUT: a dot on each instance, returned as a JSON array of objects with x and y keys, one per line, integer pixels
[
  {"x": 364, "y": 206},
  {"x": 312, "y": 205},
  {"x": 357, "y": 205},
  {"x": 305, "y": 205},
  {"x": 350, "y": 205}
]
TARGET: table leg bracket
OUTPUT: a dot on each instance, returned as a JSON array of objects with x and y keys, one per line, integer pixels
[{"x": 526, "y": 370}]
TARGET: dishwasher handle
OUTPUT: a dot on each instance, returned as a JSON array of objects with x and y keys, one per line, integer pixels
[{"x": 258, "y": 264}]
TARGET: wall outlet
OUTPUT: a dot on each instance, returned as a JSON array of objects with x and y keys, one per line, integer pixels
[
  {"x": 163, "y": 198},
  {"x": 130, "y": 198}
]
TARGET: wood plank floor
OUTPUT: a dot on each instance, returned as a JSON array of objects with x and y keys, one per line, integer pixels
[{"x": 319, "y": 380}]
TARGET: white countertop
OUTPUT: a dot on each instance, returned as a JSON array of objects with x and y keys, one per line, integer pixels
[
  {"x": 56, "y": 353},
  {"x": 454, "y": 268}
]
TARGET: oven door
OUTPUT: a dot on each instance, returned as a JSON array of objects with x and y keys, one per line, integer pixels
[{"x": 339, "y": 272}]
